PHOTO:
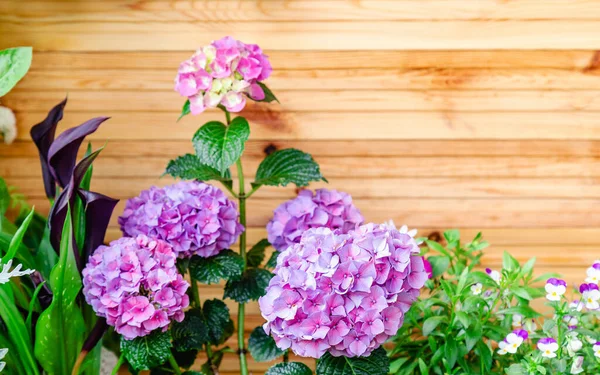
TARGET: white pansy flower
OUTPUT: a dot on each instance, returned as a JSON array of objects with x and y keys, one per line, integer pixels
[
  {"x": 8, "y": 125},
  {"x": 577, "y": 366},
  {"x": 476, "y": 288},
  {"x": 517, "y": 320},
  {"x": 495, "y": 275},
  {"x": 573, "y": 343},
  {"x": 6, "y": 273}
]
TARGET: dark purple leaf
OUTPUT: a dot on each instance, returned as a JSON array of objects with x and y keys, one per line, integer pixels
[
  {"x": 45, "y": 295},
  {"x": 43, "y": 136},
  {"x": 95, "y": 335},
  {"x": 98, "y": 210},
  {"x": 57, "y": 215},
  {"x": 63, "y": 151}
]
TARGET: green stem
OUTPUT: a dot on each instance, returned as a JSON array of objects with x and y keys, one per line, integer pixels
[
  {"x": 286, "y": 356},
  {"x": 118, "y": 365},
  {"x": 242, "y": 307},
  {"x": 195, "y": 293},
  {"x": 174, "y": 365}
]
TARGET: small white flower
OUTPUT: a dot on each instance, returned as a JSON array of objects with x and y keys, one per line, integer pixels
[
  {"x": 8, "y": 125},
  {"x": 6, "y": 273},
  {"x": 495, "y": 275},
  {"x": 530, "y": 325},
  {"x": 590, "y": 339},
  {"x": 517, "y": 320},
  {"x": 577, "y": 366},
  {"x": 2, "y": 355},
  {"x": 476, "y": 288},
  {"x": 593, "y": 274},
  {"x": 556, "y": 289},
  {"x": 596, "y": 349},
  {"x": 571, "y": 321},
  {"x": 513, "y": 342},
  {"x": 548, "y": 347},
  {"x": 502, "y": 347},
  {"x": 573, "y": 343},
  {"x": 576, "y": 305},
  {"x": 591, "y": 299}
]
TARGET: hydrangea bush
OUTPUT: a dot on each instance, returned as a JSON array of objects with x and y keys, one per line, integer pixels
[{"x": 495, "y": 321}]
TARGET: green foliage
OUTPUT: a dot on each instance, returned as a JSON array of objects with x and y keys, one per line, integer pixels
[
  {"x": 256, "y": 255},
  {"x": 250, "y": 287},
  {"x": 289, "y": 368},
  {"x": 226, "y": 265},
  {"x": 262, "y": 346},
  {"x": 272, "y": 262},
  {"x": 14, "y": 64},
  {"x": 191, "y": 333},
  {"x": 144, "y": 353},
  {"x": 218, "y": 320},
  {"x": 218, "y": 145},
  {"x": 375, "y": 364},
  {"x": 189, "y": 167},
  {"x": 60, "y": 328},
  {"x": 287, "y": 166},
  {"x": 269, "y": 96},
  {"x": 185, "y": 110}
]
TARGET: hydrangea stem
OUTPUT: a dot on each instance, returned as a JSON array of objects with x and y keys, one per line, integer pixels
[
  {"x": 118, "y": 365},
  {"x": 174, "y": 365}
]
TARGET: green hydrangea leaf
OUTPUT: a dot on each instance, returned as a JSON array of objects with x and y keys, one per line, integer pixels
[
  {"x": 288, "y": 166},
  {"x": 220, "y": 146},
  {"x": 250, "y": 287},
  {"x": 289, "y": 368},
  {"x": 218, "y": 321},
  {"x": 191, "y": 333},
  {"x": 377, "y": 363},
  {"x": 226, "y": 265},
  {"x": 262, "y": 346},
  {"x": 185, "y": 359},
  {"x": 272, "y": 262},
  {"x": 256, "y": 255},
  {"x": 189, "y": 167},
  {"x": 185, "y": 110},
  {"x": 14, "y": 64},
  {"x": 269, "y": 96},
  {"x": 143, "y": 353}
]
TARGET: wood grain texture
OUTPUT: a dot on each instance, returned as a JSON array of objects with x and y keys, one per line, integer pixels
[{"x": 478, "y": 115}]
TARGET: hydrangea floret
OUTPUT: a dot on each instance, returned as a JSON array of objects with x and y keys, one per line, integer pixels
[
  {"x": 324, "y": 208},
  {"x": 195, "y": 218},
  {"x": 223, "y": 73},
  {"x": 135, "y": 285}
]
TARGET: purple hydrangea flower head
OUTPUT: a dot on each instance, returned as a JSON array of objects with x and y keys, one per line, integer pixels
[
  {"x": 342, "y": 293},
  {"x": 193, "y": 217},
  {"x": 323, "y": 208},
  {"x": 224, "y": 72},
  {"x": 134, "y": 284}
]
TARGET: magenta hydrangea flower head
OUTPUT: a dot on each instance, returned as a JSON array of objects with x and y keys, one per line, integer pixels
[
  {"x": 345, "y": 294},
  {"x": 193, "y": 217},
  {"x": 134, "y": 284},
  {"x": 223, "y": 73},
  {"x": 323, "y": 208}
]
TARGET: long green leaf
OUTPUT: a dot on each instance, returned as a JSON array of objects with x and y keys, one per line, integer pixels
[
  {"x": 17, "y": 330},
  {"x": 32, "y": 305},
  {"x": 15, "y": 243},
  {"x": 60, "y": 329},
  {"x": 14, "y": 64},
  {"x": 23, "y": 254}
]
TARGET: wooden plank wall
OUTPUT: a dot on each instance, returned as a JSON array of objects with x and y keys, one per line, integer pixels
[{"x": 470, "y": 114}]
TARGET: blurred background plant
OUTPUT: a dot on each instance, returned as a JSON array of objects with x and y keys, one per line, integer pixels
[
  {"x": 476, "y": 322},
  {"x": 14, "y": 64}
]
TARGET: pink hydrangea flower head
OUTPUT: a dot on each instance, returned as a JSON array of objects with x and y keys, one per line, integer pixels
[
  {"x": 193, "y": 217},
  {"x": 342, "y": 293},
  {"x": 324, "y": 208},
  {"x": 223, "y": 73},
  {"x": 134, "y": 284}
]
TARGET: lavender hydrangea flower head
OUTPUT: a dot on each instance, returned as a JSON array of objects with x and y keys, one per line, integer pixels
[
  {"x": 193, "y": 217},
  {"x": 134, "y": 284},
  {"x": 323, "y": 208},
  {"x": 223, "y": 73},
  {"x": 344, "y": 294}
]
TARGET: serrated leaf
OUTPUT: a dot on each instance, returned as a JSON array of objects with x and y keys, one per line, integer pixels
[
  {"x": 189, "y": 167},
  {"x": 250, "y": 287},
  {"x": 226, "y": 265},
  {"x": 256, "y": 255},
  {"x": 191, "y": 333},
  {"x": 185, "y": 110},
  {"x": 152, "y": 350},
  {"x": 288, "y": 166},
  {"x": 185, "y": 359},
  {"x": 269, "y": 96},
  {"x": 218, "y": 320},
  {"x": 272, "y": 262},
  {"x": 289, "y": 368},
  {"x": 60, "y": 328},
  {"x": 14, "y": 64},
  {"x": 377, "y": 363},
  {"x": 262, "y": 346},
  {"x": 220, "y": 146}
]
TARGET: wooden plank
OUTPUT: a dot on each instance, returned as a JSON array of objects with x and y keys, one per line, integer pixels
[
  {"x": 304, "y": 35},
  {"x": 133, "y": 148},
  {"x": 307, "y": 10},
  {"x": 404, "y": 187},
  {"x": 374, "y": 167},
  {"x": 322, "y": 60},
  {"x": 448, "y": 101},
  {"x": 272, "y": 124},
  {"x": 341, "y": 79},
  {"x": 468, "y": 213},
  {"x": 507, "y": 237}
]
